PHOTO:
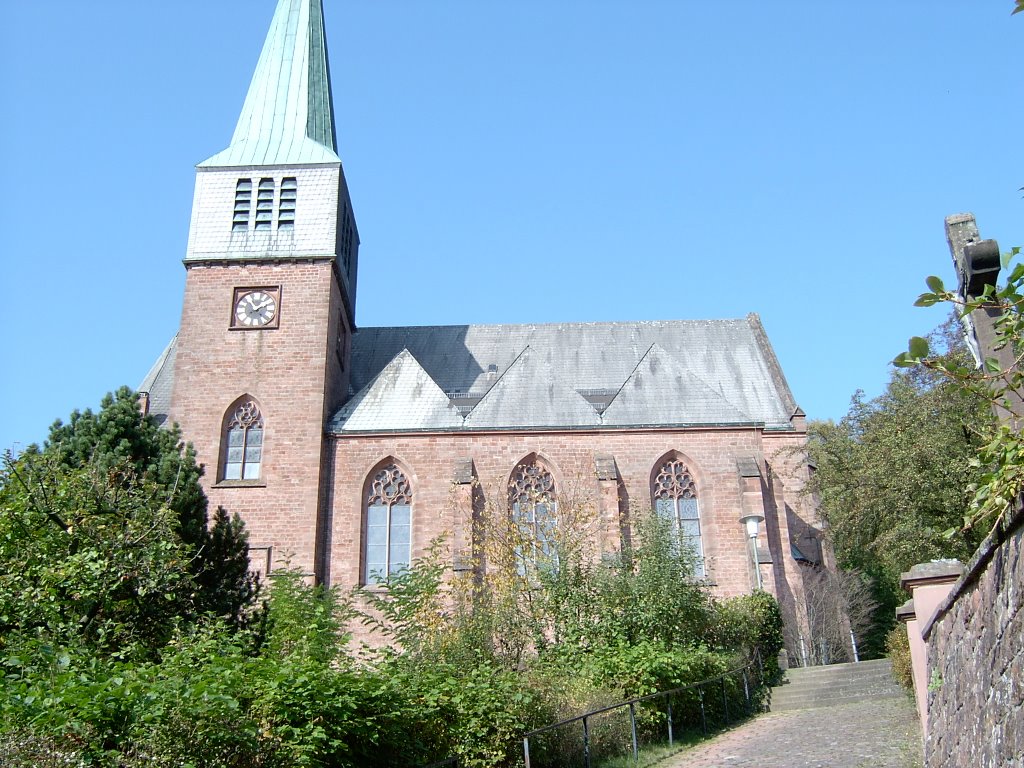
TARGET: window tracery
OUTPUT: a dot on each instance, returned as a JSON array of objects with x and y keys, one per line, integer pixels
[
  {"x": 243, "y": 454},
  {"x": 675, "y": 500},
  {"x": 532, "y": 502},
  {"x": 388, "y": 524}
]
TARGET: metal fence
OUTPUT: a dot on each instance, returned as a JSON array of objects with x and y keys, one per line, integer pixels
[{"x": 701, "y": 707}]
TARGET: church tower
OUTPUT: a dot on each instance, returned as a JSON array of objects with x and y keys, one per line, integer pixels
[{"x": 264, "y": 346}]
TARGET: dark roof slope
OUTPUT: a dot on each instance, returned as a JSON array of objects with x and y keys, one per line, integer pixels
[{"x": 696, "y": 372}]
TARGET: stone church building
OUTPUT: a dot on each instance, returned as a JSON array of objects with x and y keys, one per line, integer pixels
[{"x": 348, "y": 449}]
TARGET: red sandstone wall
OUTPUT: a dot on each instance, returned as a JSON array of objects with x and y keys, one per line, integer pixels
[
  {"x": 794, "y": 519},
  {"x": 285, "y": 370},
  {"x": 430, "y": 461}
]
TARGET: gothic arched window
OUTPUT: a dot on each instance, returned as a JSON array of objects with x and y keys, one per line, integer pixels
[
  {"x": 388, "y": 524},
  {"x": 675, "y": 500},
  {"x": 243, "y": 442},
  {"x": 531, "y": 498}
]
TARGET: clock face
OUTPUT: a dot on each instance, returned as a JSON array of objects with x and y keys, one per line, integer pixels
[{"x": 255, "y": 309}]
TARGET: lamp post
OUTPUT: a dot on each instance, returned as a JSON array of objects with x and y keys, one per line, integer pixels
[{"x": 752, "y": 522}]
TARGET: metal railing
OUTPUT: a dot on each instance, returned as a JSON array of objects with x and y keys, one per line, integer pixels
[{"x": 705, "y": 700}]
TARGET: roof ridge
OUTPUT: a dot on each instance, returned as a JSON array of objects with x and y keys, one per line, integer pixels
[
  {"x": 679, "y": 369},
  {"x": 688, "y": 321},
  {"x": 772, "y": 361},
  {"x": 631, "y": 375},
  {"x": 563, "y": 391},
  {"x": 157, "y": 368},
  {"x": 497, "y": 381}
]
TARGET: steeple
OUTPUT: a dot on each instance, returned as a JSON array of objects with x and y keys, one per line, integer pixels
[{"x": 288, "y": 115}]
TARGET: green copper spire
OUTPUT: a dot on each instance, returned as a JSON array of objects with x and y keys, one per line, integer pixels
[{"x": 288, "y": 116}]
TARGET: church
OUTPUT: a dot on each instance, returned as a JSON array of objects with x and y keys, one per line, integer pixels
[{"x": 347, "y": 450}]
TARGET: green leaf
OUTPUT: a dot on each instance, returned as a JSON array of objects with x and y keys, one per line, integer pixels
[
  {"x": 935, "y": 284},
  {"x": 918, "y": 347}
]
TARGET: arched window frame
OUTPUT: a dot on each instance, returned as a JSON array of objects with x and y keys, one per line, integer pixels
[
  {"x": 243, "y": 441},
  {"x": 387, "y": 522},
  {"x": 675, "y": 499},
  {"x": 533, "y": 507}
]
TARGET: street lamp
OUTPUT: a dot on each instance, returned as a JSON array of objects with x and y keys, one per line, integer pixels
[{"x": 752, "y": 522}]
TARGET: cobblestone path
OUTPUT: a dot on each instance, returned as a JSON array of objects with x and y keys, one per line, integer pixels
[{"x": 867, "y": 734}]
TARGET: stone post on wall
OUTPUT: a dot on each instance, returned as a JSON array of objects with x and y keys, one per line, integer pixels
[
  {"x": 464, "y": 483},
  {"x": 608, "y": 503},
  {"x": 928, "y": 584},
  {"x": 977, "y": 265},
  {"x": 752, "y": 501}
]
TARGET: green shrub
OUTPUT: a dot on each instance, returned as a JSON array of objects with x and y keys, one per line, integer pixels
[
  {"x": 749, "y": 622},
  {"x": 897, "y": 645},
  {"x": 568, "y": 694}
]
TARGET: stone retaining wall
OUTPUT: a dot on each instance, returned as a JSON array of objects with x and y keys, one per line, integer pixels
[{"x": 976, "y": 660}]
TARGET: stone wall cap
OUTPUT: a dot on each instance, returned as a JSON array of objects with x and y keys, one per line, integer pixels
[
  {"x": 464, "y": 473},
  {"x": 906, "y": 611},
  {"x": 605, "y": 466},
  {"x": 747, "y": 467},
  {"x": 959, "y": 218},
  {"x": 935, "y": 572}
]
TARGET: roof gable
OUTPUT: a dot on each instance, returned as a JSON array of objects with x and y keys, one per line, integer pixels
[
  {"x": 401, "y": 397},
  {"x": 529, "y": 394},
  {"x": 660, "y": 391}
]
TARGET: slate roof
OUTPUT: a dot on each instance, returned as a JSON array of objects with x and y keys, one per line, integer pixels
[
  {"x": 662, "y": 391},
  {"x": 552, "y": 376},
  {"x": 159, "y": 382},
  {"x": 578, "y": 375},
  {"x": 402, "y": 396},
  {"x": 288, "y": 115},
  {"x": 531, "y": 393}
]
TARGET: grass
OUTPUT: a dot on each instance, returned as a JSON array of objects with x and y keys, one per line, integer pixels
[
  {"x": 652, "y": 754},
  {"x": 648, "y": 755}
]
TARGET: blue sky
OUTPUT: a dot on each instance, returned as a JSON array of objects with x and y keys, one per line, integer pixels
[{"x": 531, "y": 161}]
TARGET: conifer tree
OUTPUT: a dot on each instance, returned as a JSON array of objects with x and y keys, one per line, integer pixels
[{"x": 119, "y": 433}]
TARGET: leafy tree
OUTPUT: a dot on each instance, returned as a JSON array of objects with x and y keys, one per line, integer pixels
[
  {"x": 88, "y": 559},
  {"x": 118, "y": 435},
  {"x": 893, "y": 475},
  {"x": 997, "y": 488}
]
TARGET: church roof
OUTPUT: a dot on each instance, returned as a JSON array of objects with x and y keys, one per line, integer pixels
[
  {"x": 531, "y": 393},
  {"x": 579, "y": 375},
  {"x": 159, "y": 382},
  {"x": 402, "y": 396},
  {"x": 662, "y": 391},
  {"x": 288, "y": 115},
  {"x": 553, "y": 376}
]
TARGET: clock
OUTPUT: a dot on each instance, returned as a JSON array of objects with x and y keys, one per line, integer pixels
[{"x": 254, "y": 308}]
